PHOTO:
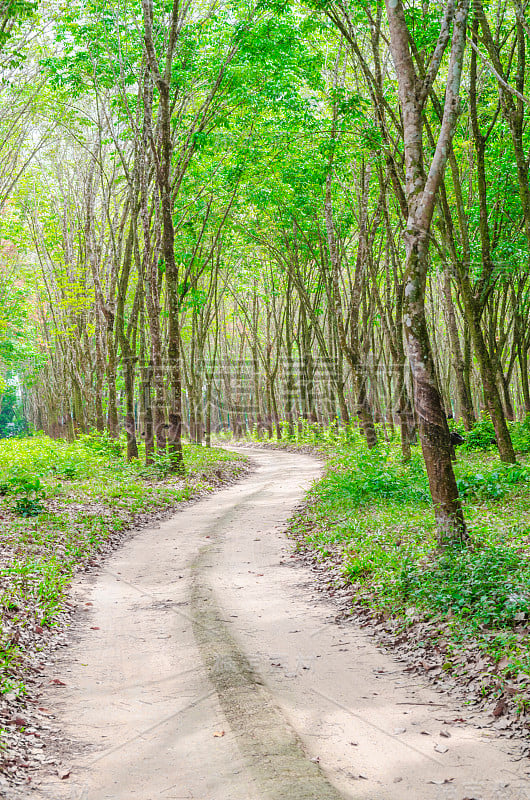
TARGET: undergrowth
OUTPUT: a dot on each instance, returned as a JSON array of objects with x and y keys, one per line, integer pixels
[
  {"x": 372, "y": 514},
  {"x": 59, "y": 503}
]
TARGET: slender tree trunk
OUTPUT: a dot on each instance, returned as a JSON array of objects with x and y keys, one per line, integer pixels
[
  {"x": 433, "y": 428},
  {"x": 289, "y": 384},
  {"x": 351, "y": 347},
  {"x": 112, "y": 365},
  {"x": 130, "y": 426},
  {"x": 523, "y": 368},
  {"x": 421, "y": 191},
  {"x": 487, "y": 374},
  {"x": 163, "y": 173},
  {"x": 146, "y": 412}
]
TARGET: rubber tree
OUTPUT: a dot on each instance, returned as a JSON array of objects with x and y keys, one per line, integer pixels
[
  {"x": 163, "y": 158},
  {"x": 421, "y": 189}
]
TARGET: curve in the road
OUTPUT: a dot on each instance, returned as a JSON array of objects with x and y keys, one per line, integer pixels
[{"x": 203, "y": 669}]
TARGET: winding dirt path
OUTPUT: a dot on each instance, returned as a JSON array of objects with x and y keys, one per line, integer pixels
[{"x": 202, "y": 669}]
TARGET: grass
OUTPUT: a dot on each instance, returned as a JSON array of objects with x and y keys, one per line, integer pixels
[
  {"x": 85, "y": 493},
  {"x": 372, "y": 515}
]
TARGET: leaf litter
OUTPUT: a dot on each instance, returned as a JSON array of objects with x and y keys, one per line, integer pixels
[{"x": 26, "y": 734}]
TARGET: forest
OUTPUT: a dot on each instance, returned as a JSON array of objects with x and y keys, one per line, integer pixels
[{"x": 289, "y": 225}]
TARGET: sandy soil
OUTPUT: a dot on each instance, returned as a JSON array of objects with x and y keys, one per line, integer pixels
[{"x": 202, "y": 668}]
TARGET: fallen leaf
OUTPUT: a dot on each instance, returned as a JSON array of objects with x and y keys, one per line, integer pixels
[
  {"x": 442, "y": 782},
  {"x": 499, "y": 708},
  {"x": 218, "y": 734},
  {"x": 441, "y": 748},
  {"x": 445, "y": 734},
  {"x": 57, "y": 682}
]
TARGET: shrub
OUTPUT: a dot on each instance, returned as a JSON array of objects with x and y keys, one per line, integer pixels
[
  {"x": 520, "y": 433},
  {"x": 101, "y": 442},
  {"x": 161, "y": 466},
  {"x": 480, "y": 437},
  {"x": 490, "y": 584},
  {"x": 372, "y": 474},
  {"x": 29, "y": 496},
  {"x": 492, "y": 485}
]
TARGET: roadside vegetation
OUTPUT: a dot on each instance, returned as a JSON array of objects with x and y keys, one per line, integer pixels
[
  {"x": 370, "y": 520},
  {"x": 60, "y": 505},
  {"x": 206, "y": 230}
]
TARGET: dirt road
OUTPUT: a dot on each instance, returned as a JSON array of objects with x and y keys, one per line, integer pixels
[{"x": 203, "y": 669}]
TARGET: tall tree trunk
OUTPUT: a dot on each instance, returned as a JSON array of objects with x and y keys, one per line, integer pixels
[
  {"x": 487, "y": 373},
  {"x": 351, "y": 348},
  {"x": 130, "y": 426},
  {"x": 112, "y": 365},
  {"x": 474, "y": 300},
  {"x": 163, "y": 174},
  {"x": 146, "y": 412},
  {"x": 522, "y": 354},
  {"x": 421, "y": 192}
]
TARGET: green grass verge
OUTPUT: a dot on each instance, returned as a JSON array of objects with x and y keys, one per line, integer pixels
[
  {"x": 90, "y": 493},
  {"x": 371, "y": 514}
]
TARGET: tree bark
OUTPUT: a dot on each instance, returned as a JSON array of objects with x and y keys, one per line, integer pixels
[
  {"x": 421, "y": 191},
  {"x": 163, "y": 174}
]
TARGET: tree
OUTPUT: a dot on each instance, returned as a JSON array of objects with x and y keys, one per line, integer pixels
[{"x": 421, "y": 190}]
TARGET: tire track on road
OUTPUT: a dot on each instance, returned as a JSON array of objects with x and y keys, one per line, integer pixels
[{"x": 273, "y": 750}]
